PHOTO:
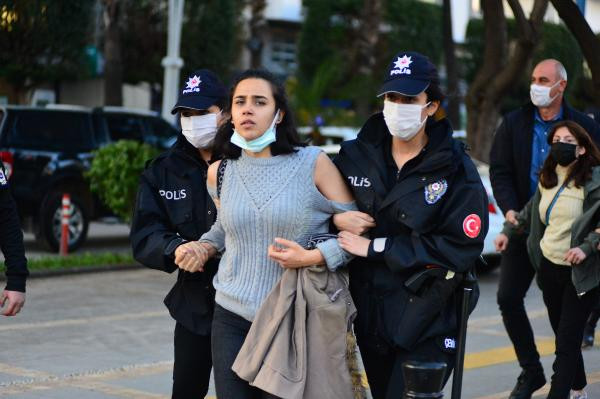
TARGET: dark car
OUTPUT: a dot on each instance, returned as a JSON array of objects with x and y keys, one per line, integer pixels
[{"x": 47, "y": 150}]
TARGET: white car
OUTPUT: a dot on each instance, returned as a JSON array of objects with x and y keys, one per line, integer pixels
[{"x": 495, "y": 216}]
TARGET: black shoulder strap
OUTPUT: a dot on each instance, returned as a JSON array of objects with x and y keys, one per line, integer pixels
[{"x": 220, "y": 174}]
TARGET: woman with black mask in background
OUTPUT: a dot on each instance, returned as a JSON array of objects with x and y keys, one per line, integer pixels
[{"x": 562, "y": 245}]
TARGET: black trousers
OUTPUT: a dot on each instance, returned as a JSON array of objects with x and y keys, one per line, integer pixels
[
  {"x": 191, "y": 371},
  {"x": 568, "y": 314},
  {"x": 516, "y": 275},
  {"x": 384, "y": 368},
  {"x": 228, "y": 334}
]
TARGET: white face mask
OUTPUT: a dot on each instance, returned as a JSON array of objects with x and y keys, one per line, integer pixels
[
  {"x": 403, "y": 120},
  {"x": 259, "y": 143},
  {"x": 540, "y": 95},
  {"x": 200, "y": 130}
]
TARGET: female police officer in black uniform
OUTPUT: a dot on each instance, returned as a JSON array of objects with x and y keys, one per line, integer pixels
[
  {"x": 430, "y": 219},
  {"x": 173, "y": 207}
]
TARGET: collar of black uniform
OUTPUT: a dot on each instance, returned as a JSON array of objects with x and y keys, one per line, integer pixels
[
  {"x": 184, "y": 151},
  {"x": 387, "y": 153},
  {"x": 181, "y": 144},
  {"x": 440, "y": 151}
]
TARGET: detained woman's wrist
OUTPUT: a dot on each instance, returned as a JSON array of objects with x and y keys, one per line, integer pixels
[
  {"x": 212, "y": 245},
  {"x": 314, "y": 257},
  {"x": 209, "y": 247}
]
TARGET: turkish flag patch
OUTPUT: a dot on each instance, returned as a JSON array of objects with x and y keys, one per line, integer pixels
[{"x": 472, "y": 225}]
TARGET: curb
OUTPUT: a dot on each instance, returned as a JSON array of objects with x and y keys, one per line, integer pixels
[{"x": 79, "y": 270}]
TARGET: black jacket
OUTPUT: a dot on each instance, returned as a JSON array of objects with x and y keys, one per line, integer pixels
[
  {"x": 421, "y": 232},
  {"x": 11, "y": 238},
  {"x": 173, "y": 206},
  {"x": 510, "y": 155}
]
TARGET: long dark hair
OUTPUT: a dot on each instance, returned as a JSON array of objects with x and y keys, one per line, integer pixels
[
  {"x": 581, "y": 170},
  {"x": 287, "y": 136},
  {"x": 434, "y": 92}
]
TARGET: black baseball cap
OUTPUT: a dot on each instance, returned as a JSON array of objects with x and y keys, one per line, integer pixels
[
  {"x": 201, "y": 89},
  {"x": 409, "y": 73}
]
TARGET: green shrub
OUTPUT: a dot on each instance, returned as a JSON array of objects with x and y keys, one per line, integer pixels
[
  {"x": 80, "y": 260},
  {"x": 115, "y": 171}
]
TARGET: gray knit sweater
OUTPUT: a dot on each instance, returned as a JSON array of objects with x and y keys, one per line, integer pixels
[{"x": 264, "y": 198}]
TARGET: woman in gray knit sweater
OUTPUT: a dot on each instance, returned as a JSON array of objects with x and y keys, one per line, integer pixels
[{"x": 275, "y": 193}]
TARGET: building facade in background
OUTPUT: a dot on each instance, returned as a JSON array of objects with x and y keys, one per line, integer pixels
[
  {"x": 278, "y": 44},
  {"x": 284, "y": 19}
]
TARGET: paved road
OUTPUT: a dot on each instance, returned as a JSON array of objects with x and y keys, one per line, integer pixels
[
  {"x": 107, "y": 335},
  {"x": 491, "y": 367}
]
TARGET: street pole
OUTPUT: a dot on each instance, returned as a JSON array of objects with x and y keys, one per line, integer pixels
[{"x": 172, "y": 62}]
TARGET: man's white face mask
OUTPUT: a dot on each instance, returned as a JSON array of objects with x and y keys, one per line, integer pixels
[
  {"x": 540, "y": 95},
  {"x": 200, "y": 130}
]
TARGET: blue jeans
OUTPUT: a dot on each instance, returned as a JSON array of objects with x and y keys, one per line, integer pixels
[{"x": 228, "y": 334}]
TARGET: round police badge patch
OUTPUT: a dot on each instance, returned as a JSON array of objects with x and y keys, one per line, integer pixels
[
  {"x": 3, "y": 181},
  {"x": 472, "y": 225},
  {"x": 435, "y": 191}
]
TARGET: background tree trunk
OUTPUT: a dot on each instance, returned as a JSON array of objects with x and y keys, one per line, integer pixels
[
  {"x": 113, "y": 66},
  {"x": 500, "y": 69},
  {"x": 366, "y": 47},
  {"x": 257, "y": 26},
  {"x": 588, "y": 42},
  {"x": 453, "y": 93}
]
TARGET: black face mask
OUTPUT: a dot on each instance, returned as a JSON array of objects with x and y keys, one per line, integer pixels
[{"x": 563, "y": 153}]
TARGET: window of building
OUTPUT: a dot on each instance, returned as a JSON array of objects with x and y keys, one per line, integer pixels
[{"x": 283, "y": 54}]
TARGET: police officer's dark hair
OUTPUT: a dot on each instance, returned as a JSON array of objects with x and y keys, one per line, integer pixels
[
  {"x": 221, "y": 103},
  {"x": 434, "y": 92},
  {"x": 287, "y": 136}
]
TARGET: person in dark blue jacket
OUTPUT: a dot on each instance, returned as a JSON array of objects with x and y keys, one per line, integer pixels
[
  {"x": 423, "y": 216},
  {"x": 12, "y": 298},
  {"x": 518, "y": 151},
  {"x": 173, "y": 207}
]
